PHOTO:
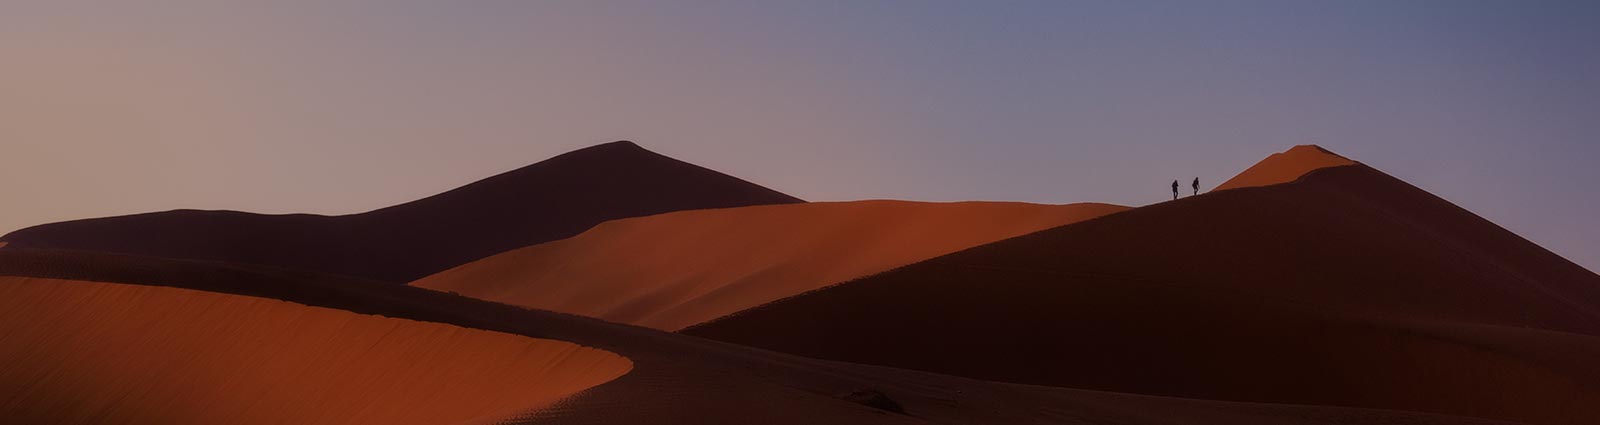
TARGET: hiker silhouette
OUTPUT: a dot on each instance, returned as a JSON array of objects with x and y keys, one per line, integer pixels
[
  {"x": 1174, "y": 189},
  {"x": 1196, "y": 185}
]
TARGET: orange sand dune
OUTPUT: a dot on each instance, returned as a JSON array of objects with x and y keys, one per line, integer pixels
[
  {"x": 87, "y": 352},
  {"x": 1286, "y": 166},
  {"x": 1346, "y": 287},
  {"x": 679, "y": 379},
  {"x": 674, "y": 270}
]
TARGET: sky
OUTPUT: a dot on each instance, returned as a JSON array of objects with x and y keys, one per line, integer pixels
[{"x": 338, "y": 106}]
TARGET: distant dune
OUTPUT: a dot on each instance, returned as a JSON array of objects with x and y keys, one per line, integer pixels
[
  {"x": 673, "y": 270},
  {"x": 676, "y": 379},
  {"x": 87, "y": 352},
  {"x": 1286, "y": 166},
  {"x": 550, "y": 200},
  {"x": 1345, "y": 287}
]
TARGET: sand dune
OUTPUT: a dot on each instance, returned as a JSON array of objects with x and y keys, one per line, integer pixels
[
  {"x": 673, "y": 270},
  {"x": 553, "y": 199},
  {"x": 1346, "y": 287},
  {"x": 679, "y": 379},
  {"x": 87, "y": 352},
  {"x": 1342, "y": 297},
  {"x": 1286, "y": 166}
]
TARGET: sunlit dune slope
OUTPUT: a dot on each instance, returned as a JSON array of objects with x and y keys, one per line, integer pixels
[
  {"x": 549, "y": 200},
  {"x": 679, "y": 379},
  {"x": 673, "y": 270},
  {"x": 87, "y": 352},
  {"x": 1286, "y": 166},
  {"x": 1346, "y": 287}
]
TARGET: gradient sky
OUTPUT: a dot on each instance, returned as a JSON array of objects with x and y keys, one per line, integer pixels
[{"x": 344, "y": 106}]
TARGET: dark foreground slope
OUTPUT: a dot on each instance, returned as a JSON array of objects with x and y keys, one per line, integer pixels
[
  {"x": 680, "y": 379},
  {"x": 553, "y": 199},
  {"x": 1347, "y": 287}
]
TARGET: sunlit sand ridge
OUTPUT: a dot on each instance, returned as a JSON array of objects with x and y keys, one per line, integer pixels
[
  {"x": 1286, "y": 166},
  {"x": 674, "y": 270}
]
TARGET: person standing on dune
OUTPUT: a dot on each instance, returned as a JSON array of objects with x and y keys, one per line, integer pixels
[
  {"x": 1197, "y": 186},
  {"x": 1174, "y": 189}
]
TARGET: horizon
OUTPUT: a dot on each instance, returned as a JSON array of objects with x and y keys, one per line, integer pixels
[{"x": 344, "y": 107}]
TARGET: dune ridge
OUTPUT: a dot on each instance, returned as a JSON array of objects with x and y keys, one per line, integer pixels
[
  {"x": 1285, "y": 167},
  {"x": 674, "y": 270},
  {"x": 1346, "y": 287},
  {"x": 90, "y": 352},
  {"x": 549, "y": 200}
]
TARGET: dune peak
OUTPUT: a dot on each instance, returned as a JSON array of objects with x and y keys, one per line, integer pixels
[
  {"x": 620, "y": 145},
  {"x": 548, "y": 200},
  {"x": 1285, "y": 167}
]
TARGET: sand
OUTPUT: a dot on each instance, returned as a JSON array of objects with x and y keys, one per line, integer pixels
[
  {"x": 680, "y": 379},
  {"x": 1342, "y": 297},
  {"x": 1346, "y": 287},
  {"x": 550, "y": 200},
  {"x": 677, "y": 269},
  {"x": 87, "y": 352},
  {"x": 1286, "y": 166}
]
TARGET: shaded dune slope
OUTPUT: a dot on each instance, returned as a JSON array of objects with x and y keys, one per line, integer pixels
[
  {"x": 88, "y": 352},
  {"x": 682, "y": 379},
  {"x": 553, "y": 199},
  {"x": 1347, "y": 287},
  {"x": 677, "y": 269}
]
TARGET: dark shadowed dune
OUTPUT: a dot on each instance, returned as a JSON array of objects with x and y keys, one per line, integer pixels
[
  {"x": 1346, "y": 287},
  {"x": 675, "y": 378},
  {"x": 553, "y": 199}
]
